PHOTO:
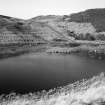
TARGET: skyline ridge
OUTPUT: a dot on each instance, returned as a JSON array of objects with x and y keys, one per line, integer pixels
[
  {"x": 50, "y": 14},
  {"x": 26, "y": 9}
]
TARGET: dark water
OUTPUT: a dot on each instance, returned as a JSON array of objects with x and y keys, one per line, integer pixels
[{"x": 34, "y": 72}]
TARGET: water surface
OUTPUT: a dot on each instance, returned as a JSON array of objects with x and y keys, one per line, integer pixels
[{"x": 34, "y": 72}]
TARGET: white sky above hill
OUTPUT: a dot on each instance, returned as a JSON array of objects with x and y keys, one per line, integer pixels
[{"x": 26, "y": 9}]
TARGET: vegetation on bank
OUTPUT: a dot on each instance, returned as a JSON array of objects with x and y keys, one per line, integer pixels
[
  {"x": 84, "y": 92},
  {"x": 94, "y": 49},
  {"x": 13, "y": 51}
]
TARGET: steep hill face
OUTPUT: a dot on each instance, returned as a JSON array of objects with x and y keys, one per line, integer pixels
[
  {"x": 86, "y": 25},
  {"x": 48, "y": 27},
  {"x": 45, "y": 30},
  {"x": 89, "y": 24},
  {"x": 94, "y": 16},
  {"x": 12, "y": 25},
  {"x": 14, "y": 30}
]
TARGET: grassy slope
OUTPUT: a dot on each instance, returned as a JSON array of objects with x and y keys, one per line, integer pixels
[{"x": 85, "y": 92}]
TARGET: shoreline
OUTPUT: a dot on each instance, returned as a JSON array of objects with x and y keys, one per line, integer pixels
[
  {"x": 90, "y": 48},
  {"x": 82, "y": 92}
]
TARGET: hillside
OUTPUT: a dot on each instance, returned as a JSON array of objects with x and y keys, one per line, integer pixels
[
  {"x": 89, "y": 24},
  {"x": 12, "y": 25},
  {"x": 48, "y": 27},
  {"x": 94, "y": 16},
  {"x": 86, "y": 25},
  {"x": 16, "y": 31}
]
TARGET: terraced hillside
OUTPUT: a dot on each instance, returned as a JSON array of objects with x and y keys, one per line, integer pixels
[
  {"x": 86, "y": 25},
  {"x": 94, "y": 16}
]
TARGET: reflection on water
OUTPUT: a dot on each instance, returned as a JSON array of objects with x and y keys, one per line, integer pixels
[{"x": 35, "y": 72}]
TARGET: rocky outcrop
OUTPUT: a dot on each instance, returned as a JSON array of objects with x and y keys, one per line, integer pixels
[{"x": 81, "y": 28}]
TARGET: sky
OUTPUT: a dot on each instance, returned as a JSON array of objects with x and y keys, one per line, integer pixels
[{"x": 26, "y": 9}]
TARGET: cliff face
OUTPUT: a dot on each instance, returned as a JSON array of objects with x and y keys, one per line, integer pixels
[{"x": 86, "y": 25}]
